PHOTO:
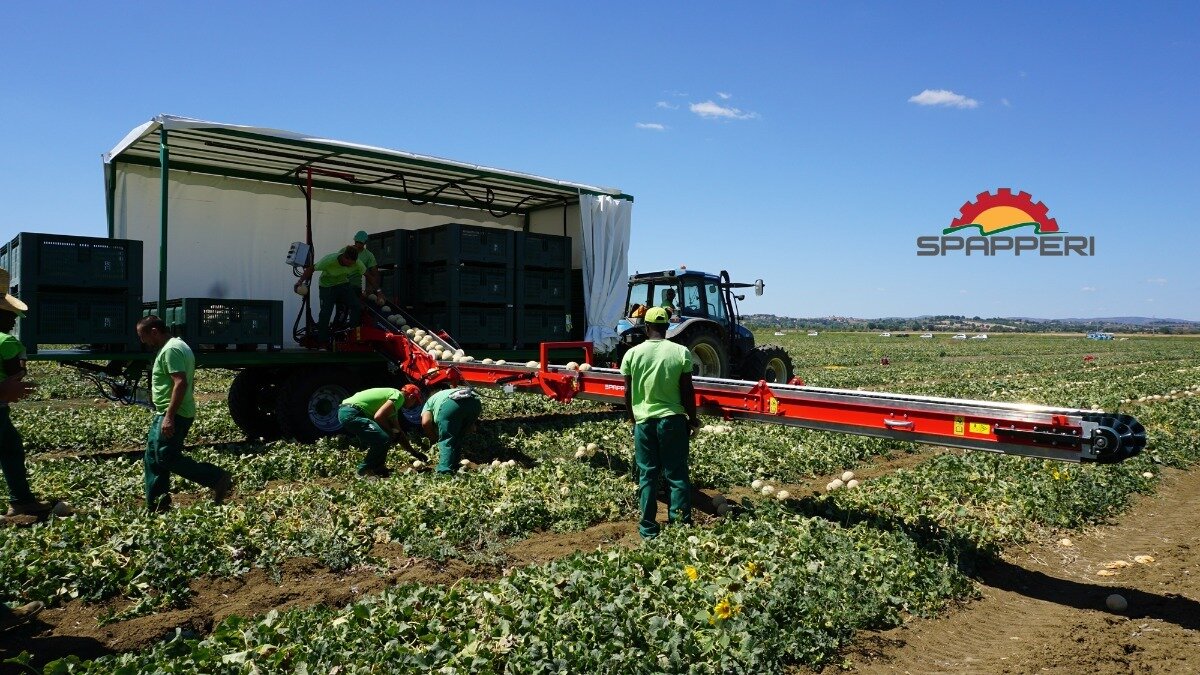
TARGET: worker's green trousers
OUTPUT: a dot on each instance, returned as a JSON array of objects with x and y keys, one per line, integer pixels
[
  {"x": 12, "y": 460},
  {"x": 661, "y": 450},
  {"x": 454, "y": 417},
  {"x": 164, "y": 456},
  {"x": 367, "y": 433},
  {"x": 332, "y": 296}
]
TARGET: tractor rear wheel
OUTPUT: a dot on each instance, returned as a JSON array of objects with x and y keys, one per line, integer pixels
[
  {"x": 767, "y": 362},
  {"x": 309, "y": 401},
  {"x": 253, "y": 397},
  {"x": 710, "y": 356}
]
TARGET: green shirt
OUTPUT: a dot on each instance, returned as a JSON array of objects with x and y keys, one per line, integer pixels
[
  {"x": 433, "y": 404},
  {"x": 10, "y": 348},
  {"x": 368, "y": 261},
  {"x": 371, "y": 400},
  {"x": 654, "y": 368},
  {"x": 174, "y": 357},
  {"x": 333, "y": 273}
]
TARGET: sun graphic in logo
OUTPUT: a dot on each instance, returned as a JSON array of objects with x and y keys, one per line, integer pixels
[{"x": 1002, "y": 211}]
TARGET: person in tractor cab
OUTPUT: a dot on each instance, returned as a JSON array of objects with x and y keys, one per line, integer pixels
[
  {"x": 661, "y": 403},
  {"x": 372, "y": 418},
  {"x": 172, "y": 380},
  {"x": 22, "y": 501},
  {"x": 334, "y": 287},
  {"x": 447, "y": 417},
  {"x": 369, "y": 264},
  {"x": 668, "y": 300}
]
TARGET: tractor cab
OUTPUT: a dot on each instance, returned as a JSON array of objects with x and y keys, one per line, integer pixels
[{"x": 705, "y": 319}]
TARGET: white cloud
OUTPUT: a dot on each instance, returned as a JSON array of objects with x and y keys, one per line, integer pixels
[
  {"x": 1088, "y": 289},
  {"x": 1004, "y": 102},
  {"x": 666, "y": 106},
  {"x": 962, "y": 291},
  {"x": 652, "y": 126},
  {"x": 724, "y": 96},
  {"x": 714, "y": 110},
  {"x": 943, "y": 97},
  {"x": 1157, "y": 280}
]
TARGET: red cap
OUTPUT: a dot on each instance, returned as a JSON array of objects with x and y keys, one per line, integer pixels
[{"x": 411, "y": 393}]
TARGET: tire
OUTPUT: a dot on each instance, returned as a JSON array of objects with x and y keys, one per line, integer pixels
[
  {"x": 253, "y": 398},
  {"x": 767, "y": 362},
  {"x": 710, "y": 357},
  {"x": 309, "y": 400}
]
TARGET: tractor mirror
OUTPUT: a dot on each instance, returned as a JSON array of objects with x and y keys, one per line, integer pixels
[
  {"x": 740, "y": 297},
  {"x": 758, "y": 287}
]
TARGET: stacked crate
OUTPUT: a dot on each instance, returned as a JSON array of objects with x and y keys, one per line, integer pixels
[
  {"x": 395, "y": 255},
  {"x": 464, "y": 283},
  {"x": 217, "y": 323},
  {"x": 543, "y": 272},
  {"x": 80, "y": 290}
]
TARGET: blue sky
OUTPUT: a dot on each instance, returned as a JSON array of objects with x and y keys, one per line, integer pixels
[{"x": 794, "y": 145}]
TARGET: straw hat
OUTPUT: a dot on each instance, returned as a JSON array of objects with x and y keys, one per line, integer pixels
[{"x": 10, "y": 303}]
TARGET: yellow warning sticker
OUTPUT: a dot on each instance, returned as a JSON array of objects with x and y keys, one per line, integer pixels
[
  {"x": 980, "y": 428},
  {"x": 773, "y": 404},
  {"x": 960, "y": 426}
]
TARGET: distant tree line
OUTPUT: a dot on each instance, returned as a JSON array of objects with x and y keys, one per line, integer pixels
[{"x": 960, "y": 323}]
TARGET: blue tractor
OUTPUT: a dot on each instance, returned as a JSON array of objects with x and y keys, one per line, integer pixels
[{"x": 705, "y": 319}]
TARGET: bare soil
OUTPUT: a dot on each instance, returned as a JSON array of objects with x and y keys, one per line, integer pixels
[{"x": 1043, "y": 605}]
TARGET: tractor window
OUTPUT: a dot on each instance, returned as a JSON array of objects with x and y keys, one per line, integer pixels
[
  {"x": 693, "y": 301},
  {"x": 639, "y": 295},
  {"x": 716, "y": 304}
]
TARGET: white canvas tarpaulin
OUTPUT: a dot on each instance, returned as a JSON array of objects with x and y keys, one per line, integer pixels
[{"x": 605, "y": 224}]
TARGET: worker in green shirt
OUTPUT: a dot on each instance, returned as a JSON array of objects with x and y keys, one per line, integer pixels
[
  {"x": 661, "y": 403},
  {"x": 372, "y": 418},
  {"x": 334, "y": 287},
  {"x": 370, "y": 264},
  {"x": 22, "y": 501},
  {"x": 172, "y": 380},
  {"x": 447, "y": 417}
]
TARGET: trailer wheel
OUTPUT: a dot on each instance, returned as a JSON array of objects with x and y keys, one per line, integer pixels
[
  {"x": 710, "y": 357},
  {"x": 253, "y": 398},
  {"x": 767, "y": 362},
  {"x": 309, "y": 401}
]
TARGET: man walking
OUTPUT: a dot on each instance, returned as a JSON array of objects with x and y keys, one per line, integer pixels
[
  {"x": 662, "y": 405},
  {"x": 447, "y": 417},
  {"x": 372, "y": 418},
  {"x": 171, "y": 384},
  {"x": 22, "y": 501},
  {"x": 334, "y": 287}
]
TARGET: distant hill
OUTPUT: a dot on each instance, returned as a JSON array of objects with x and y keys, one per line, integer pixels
[{"x": 955, "y": 323}]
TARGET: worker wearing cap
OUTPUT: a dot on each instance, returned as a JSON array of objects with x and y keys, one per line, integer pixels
[
  {"x": 447, "y": 417},
  {"x": 372, "y": 418},
  {"x": 12, "y": 388},
  {"x": 334, "y": 287},
  {"x": 369, "y": 263},
  {"x": 662, "y": 405},
  {"x": 172, "y": 380}
]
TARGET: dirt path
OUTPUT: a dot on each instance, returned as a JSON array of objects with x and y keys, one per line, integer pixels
[{"x": 1043, "y": 606}]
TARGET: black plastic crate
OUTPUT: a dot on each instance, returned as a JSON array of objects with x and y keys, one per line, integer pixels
[
  {"x": 578, "y": 307},
  {"x": 106, "y": 320},
  {"x": 543, "y": 287},
  {"x": 456, "y": 243},
  {"x": 46, "y": 261},
  {"x": 464, "y": 283},
  {"x": 218, "y": 322},
  {"x": 396, "y": 283},
  {"x": 471, "y": 326},
  {"x": 551, "y": 251},
  {"x": 397, "y": 247},
  {"x": 542, "y": 324}
]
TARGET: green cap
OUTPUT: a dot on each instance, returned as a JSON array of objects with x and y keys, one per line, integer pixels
[
  {"x": 360, "y": 236},
  {"x": 657, "y": 315}
]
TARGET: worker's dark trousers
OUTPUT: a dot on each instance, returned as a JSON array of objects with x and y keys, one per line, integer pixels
[
  {"x": 164, "y": 456},
  {"x": 332, "y": 296},
  {"x": 367, "y": 433},
  {"x": 453, "y": 420},
  {"x": 12, "y": 460},
  {"x": 661, "y": 449}
]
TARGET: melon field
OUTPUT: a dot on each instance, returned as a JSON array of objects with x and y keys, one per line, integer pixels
[{"x": 529, "y": 561}]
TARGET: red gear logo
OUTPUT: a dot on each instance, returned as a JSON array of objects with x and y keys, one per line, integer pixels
[{"x": 1004, "y": 197}]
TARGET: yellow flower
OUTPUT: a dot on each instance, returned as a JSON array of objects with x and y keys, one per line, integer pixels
[
  {"x": 753, "y": 569},
  {"x": 1056, "y": 474},
  {"x": 691, "y": 572},
  {"x": 725, "y": 609}
]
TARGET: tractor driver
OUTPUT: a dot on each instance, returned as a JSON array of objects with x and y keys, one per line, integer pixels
[
  {"x": 668, "y": 300},
  {"x": 369, "y": 263},
  {"x": 335, "y": 290}
]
